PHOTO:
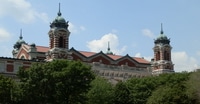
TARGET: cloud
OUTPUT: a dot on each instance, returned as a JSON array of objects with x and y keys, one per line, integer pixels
[
  {"x": 102, "y": 44},
  {"x": 21, "y": 10},
  {"x": 183, "y": 62},
  {"x": 148, "y": 33},
  {"x": 4, "y": 35},
  {"x": 82, "y": 28},
  {"x": 148, "y": 58},
  {"x": 75, "y": 29},
  {"x": 198, "y": 53}
]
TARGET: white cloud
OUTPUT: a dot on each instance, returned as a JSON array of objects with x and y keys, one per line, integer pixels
[
  {"x": 148, "y": 33},
  {"x": 4, "y": 35},
  {"x": 198, "y": 53},
  {"x": 148, "y": 58},
  {"x": 75, "y": 29},
  {"x": 102, "y": 44},
  {"x": 138, "y": 55},
  {"x": 82, "y": 28},
  {"x": 183, "y": 62},
  {"x": 21, "y": 10}
]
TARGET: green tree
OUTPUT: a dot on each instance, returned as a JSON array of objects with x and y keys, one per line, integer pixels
[
  {"x": 171, "y": 89},
  {"x": 59, "y": 81},
  {"x": 122, "y": 94},
  {"x": 169, "y": 95},
  {"x": 193, "y": 90},
  {"x": 148, "y": 89},
  {"x": 141, "y": 88},
  {"x": 7, "y": 90},
  {"x": 101, "y": 92}
]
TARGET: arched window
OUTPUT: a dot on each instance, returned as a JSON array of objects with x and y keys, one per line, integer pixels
[
  {"x": 157, "y": 56},
  {"x": 166, "y": 55},
  {"x": 52, "y": 43},
  {"x": 22, "y": 57},
  {"x": 61, "y": 42}
]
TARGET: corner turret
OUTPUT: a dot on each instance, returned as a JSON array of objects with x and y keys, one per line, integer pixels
[
  {"x": 162, "y": 62},
  {"x": 18, "y": 44},
  {"x": 58, "y": 38}
]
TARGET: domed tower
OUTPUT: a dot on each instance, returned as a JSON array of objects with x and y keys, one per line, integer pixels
[
  {"x": 162, "y": 62},
  {"x": 58, "y": 38},
  {"x": 18, "y": 45}
]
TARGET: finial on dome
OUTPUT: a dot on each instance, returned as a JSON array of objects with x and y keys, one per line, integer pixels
[
  {"x": 108, "y": 51},
  {"x": 161, "y": 32},
  {"x": 59, "y": 13},
  {"x": 108, "y": 46},
  {"x": 20, "y": 37}
]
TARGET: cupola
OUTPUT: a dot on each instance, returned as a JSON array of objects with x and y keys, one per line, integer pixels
[
  {"x": 162, "y": 39},
  {"x": 20, "y": 41},
  {"x": 59, "y": 21}
]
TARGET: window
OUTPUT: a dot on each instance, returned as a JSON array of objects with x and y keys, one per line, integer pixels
[
  {"x": 22, "y": 57},
  {"x": 2, "y": 66},
  {"x": 166, "y": 55},
  {"x": 158, "y": 56},
  {"x": 61, "y": 42},
  {"x": 52, "y": 43}
]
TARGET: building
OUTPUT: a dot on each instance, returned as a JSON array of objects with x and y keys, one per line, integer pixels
[
  {"x": 108, "y": 65},
  {"x": 162, "y": 62}
]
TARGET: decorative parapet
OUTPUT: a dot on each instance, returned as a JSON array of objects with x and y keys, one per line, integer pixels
[{"x": 120, "y": 73}]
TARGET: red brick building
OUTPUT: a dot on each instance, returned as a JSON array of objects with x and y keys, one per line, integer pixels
[{"x": 104, "y": 64}]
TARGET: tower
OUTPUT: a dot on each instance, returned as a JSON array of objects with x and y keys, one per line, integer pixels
[
  {"x": 162, "y": 55},
  {"x": 18, "y": 45},
  {"x": 58, "y": 39}
]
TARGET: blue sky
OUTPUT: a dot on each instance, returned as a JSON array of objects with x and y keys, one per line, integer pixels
[{"x": 129, "y": 25}]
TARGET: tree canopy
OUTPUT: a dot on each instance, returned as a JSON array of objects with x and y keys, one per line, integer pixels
[
  {"x": 101, "y": 92},
  {"x": 59, "y": 81},
  {"x": 73, "y": 82},
  {"x": 7, "y": 90}
]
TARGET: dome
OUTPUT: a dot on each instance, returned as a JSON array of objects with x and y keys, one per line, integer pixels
[
  {"x": 162, "y": 37},
  {"x": 59, "y": 19},
  {"x": 32, "y": 45},
  {"x": 109, "y": 53},
  {"x": 20, "y": 41}
]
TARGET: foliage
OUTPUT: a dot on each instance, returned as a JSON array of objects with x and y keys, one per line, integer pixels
[
  {"x": 71, "y": 82},
  {"x": 153, "y": 90},
  {"x": 122, "y": 94},
  {"x": 171, "y": 90},
  {"x": 7, "y": 90},
  {"x": 193, "y": 90},
  {"x": 101, "y": 92},
  {"x": 141, "y": 88},
  {"x": 59, "y": 81}
]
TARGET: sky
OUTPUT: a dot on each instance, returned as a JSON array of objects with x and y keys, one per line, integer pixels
[{"x": 129, "y": 25}]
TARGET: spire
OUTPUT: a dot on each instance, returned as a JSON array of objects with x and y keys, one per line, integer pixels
[
  {"x": 59, "y": 13},
  {"x": 108, "y": 46},
  {"x": 20, "y": 37},
  {"x": 108, "y": 51},
  {"x": 161, "y": 32}
]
